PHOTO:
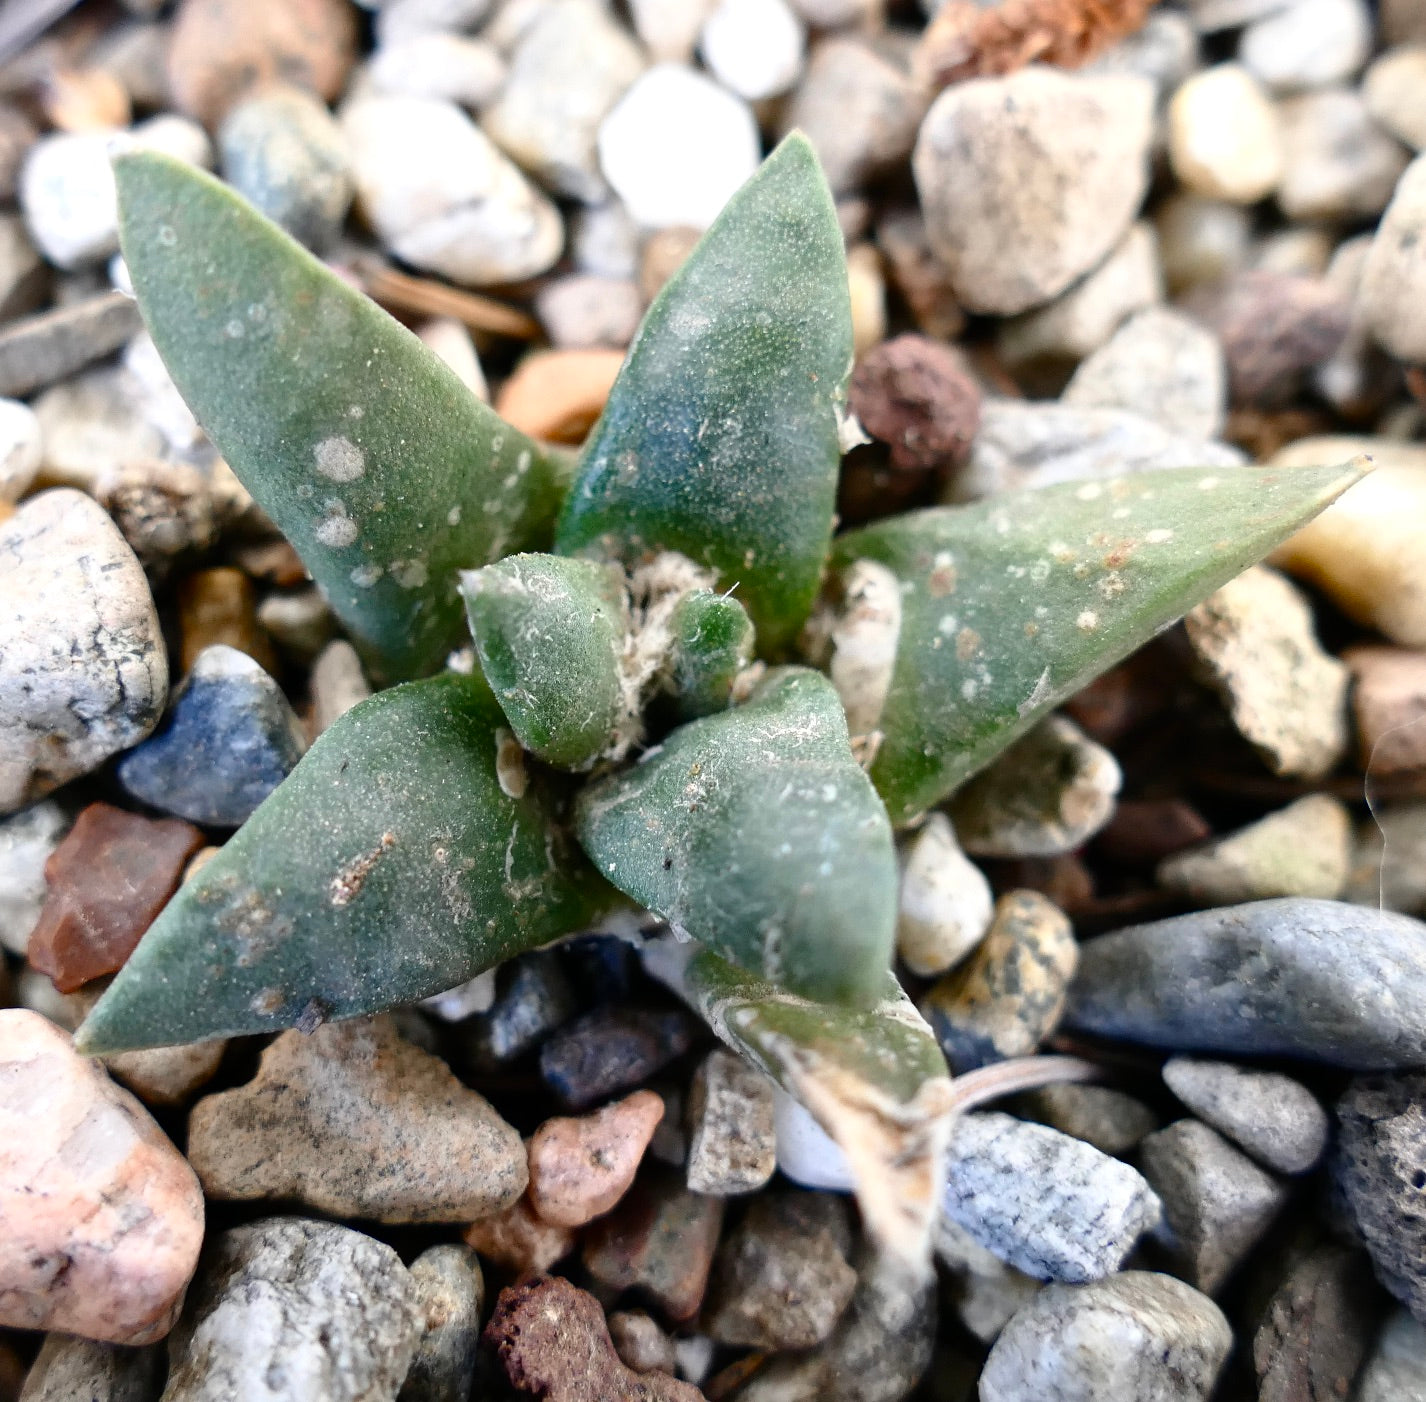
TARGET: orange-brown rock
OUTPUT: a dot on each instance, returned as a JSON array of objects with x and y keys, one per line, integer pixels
[
  {"x": 519, "y": 1240},
  {"x": 558, "y": 394}
]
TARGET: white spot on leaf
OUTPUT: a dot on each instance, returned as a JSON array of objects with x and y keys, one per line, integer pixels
[{"x": 340, "y": 459}]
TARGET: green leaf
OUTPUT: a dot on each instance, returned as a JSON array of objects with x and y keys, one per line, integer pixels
[
  {"x": 720, "y": 439},
  {"x": 550, "y": 634},
  {"x": 874, "y": 1080},
  {"x": 382, "y": 469},
  {"x": 756, "y": 832},
  {"x": 1011, "y": 605},
  {"x": 712, "y": 643},
  {"x": 406, "y": 853}
]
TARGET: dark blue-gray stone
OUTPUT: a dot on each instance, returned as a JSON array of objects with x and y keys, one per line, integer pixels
[
  {"x": 534, "y": 998},
  {"x": 228, "y": 741},
  {"x": 1320, "y": 980},
  {"x": 611, "y": 1050}
]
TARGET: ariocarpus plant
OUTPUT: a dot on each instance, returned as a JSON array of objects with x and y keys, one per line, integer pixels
[{"x": 637, "y": 725}]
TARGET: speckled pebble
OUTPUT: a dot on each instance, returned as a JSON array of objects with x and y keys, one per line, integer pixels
[
  {"x": 1111, "y": 1120},
  {"x": 732, "y": 1145},
  {"x": 520, "y": 1241},
  {"x": 71, "y": 1369},
  {"x": 450, "y": 1294},
  {"x": 1394, "y": 281},
  {"x": 26, "y": 841},
  {"x": 945, "y": 903}
]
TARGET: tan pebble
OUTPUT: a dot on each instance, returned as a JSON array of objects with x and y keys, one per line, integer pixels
[
  {"x": 640, "y": 1343},
  {"x": 733, "y": 1144},
  {"x": 519, "y": 1240},
  {"x": 220, "y": 606},
  {"x": 84, "y": 99},
  {"x": 663, "y": 254},
  {"x": 167, "y": 1075},
  {"x": 581, "y": 1166},
  {"x": 1389, "y": 701},
  {"x": 100, "y": 1216},
  {"x": 557, "y": 395},
  {"x": 1225, "y": 139},
  {"x": 868, "y": 293}
]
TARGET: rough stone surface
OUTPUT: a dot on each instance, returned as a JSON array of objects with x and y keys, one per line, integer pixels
[
  {"x": 1137, "y": 1334},
  {"x": 1009, "y": 993},
  {"x": 1217, "y": 1202},
  {"x": 71, "y": 1369},
  {"x": 1256, "y": 640},
  {"x": 1378, "y": 1167},
  {"x": 579, "y": 1168},
  {"x": 167, "y": 1075},
  {"x": 1319, "y": 980},
  {"x": 101, "y": 1217},
  {"x": 26, "y": 841},
  {"x": 1338, "y": 164},
  {"x": 83, "y": 671},
  {"x": 781, "y": 1277},
  {"x": 1225, "y": 140},
  {"x": 450, "y": 1293},
  {"x": 946, "y": 903},
  {"x": 1395, "y": 93},
  {"x": 1112, "y": 1121},
  {"x": 919, "y": 398},
  {"x": 108, "y": 880},
  {"x": 1027, "y": 182},
  {"x": 354, "y": 1121},
  {"x": 610, "y": 1050},
  {"x": 732, "y": 1145},
  {"x": 1304, "y": 849},
  {"x": 1396, "y": 1370},
  {"x": 1273, "y": 1118},
  {"x": 519, "y": 1240},
  {"x": 292, "y": 1310},
  {"x": 1394, "y": 280},
  {"x": 1051, "y": 1206}
]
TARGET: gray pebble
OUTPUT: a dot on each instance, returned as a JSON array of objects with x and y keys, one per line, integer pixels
[
  {"x": 1136, "y": 1336},
  {"x": 536, "y": 998},
  {"x": 70, "y": 1369},
  {"x": 39, "y": 350},
  {"x": 1321, "y": 980},
  {"x": 1338, "y": 164},
  {"x": 1308, "y": 44},
  {"x": 450, "y": 1294},
  {"x": 1379, "y": 1168},
  {"x": 1165, "y": 51},
  {"x": 299, "y": 621},
  {"x": 1217, "y": 1201},
  {"x": 641, "y": 1343},
  {"x": 83, "y": 671},
  {"x": 1394, "y": 281},
  {"x": 605, "y": 241},
  {"x": 338, "y": 683},
  {"x": 1396, "y": 1371},
  {"x": 987, "y": 1292},
  {"x": 1051, "y": 1206},
  {"x": 438, "y": 64},
  {"x": 90, "y": 423},
  {"x": 1390, "y": 864},
  {"x": 24, "y": 278},
  {"x": 294, "y": 1310},
  {"x": 1270, "y": 1116},
  {"x": 587, "y": 310},
  {"x": 1202, "y": 241},
  {"x": 732, "y": 1142},
  {"x": 1110, "y": 1120},
  {"x": 26, "y": 841},
  {"x": 401, "y": 19}
]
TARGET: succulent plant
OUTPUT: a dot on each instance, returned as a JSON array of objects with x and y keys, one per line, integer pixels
[{"x": 640, "y": 722}]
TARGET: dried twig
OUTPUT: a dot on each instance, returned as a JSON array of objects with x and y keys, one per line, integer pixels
[
  {"x": 1021, "y": 1073},
  {"x": 397, "y": 291}
]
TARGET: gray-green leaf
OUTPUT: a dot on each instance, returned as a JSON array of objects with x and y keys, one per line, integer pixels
[
  {"x": 407, "y": 852},
  {"x": 382, "y": 469},
  {"x": 720, "y": 439}
]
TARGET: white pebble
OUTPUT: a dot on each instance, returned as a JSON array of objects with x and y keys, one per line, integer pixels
[
  {"x": 21, "y": 449},
  {"x": 754, "y": 47}
]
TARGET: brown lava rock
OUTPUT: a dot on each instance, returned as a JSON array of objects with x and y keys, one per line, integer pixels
[
  {"x": 552, "y": 1341},
  {"x": 108, "y": 880},
  {"x": 917, "y": 397}
]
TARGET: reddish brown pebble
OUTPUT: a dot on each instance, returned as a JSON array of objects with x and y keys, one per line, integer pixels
[
  {"x": 581, "y": 1166},
  {"x": 1143, "y": 831},
  {"x": 552, "y": 1341},
  {"x": 558, "y": 394},
  {"x": 1389, "y": 701},
  {"x": 220, "y": 606},
  {"x": 660, "y": 1239},
  {"x": 222, "y": 49},
  {"x": 918, "y": 398},
  {"x": 108, "y": 880},
  {"x": 519, "y": 1240},
  {"x": 918, "y": 275}
]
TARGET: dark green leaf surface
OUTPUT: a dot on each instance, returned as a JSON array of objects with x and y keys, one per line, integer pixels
[
  {"x": 393, "y": 863},
  {"x": 720, "y": 438},
  {"x": 1011, "y": 605},
  {"x": 380, "y": 467},
  {"x": 712, "y": 642}
]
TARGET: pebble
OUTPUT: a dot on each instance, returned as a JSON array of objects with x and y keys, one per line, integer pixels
[
  {"x": 1007, "y": 996},
  {"x": 284, "y": 153},
  {"x": 26, "y": 841},
  {"x": 1317, "y": 1328},
  {"x": 753, "y": 47},
  {"x": 1403, "y": 21},
  {"x": 1317, "y": 980},
  {"x": 1135, "y": 1335},
  {"x": 1217, "y": 1202},
  {"x": 781, "y": 1278},
  {"x": 71, "y": 1369},
  {"x": 219, "y": 607},
  {"x": 288, "y": 1309},
  {"x": 669, "y": 29},
  {"x": 21, "y": 449},
  {"x": 440, "y": 65},
  {"x": 1396, "y": 1370},
  {"x": 1162, "y": 364},
  {"x": 101, "y": 1216},
  {"x": 579, "y": 1168},
  {"x": 677, "y": 146},
  {"x": 338, "y": 683},
  {"x": 1304, "y": 849},
  {"x": 1028, "y": 181},
  {"x": 1041, "y": 347},
  {"x": 1049, "y": 1205},
  {"x": 108, "y": 879},
  {"x": 1378, "y": 1168},
  {"x": 90, "y": 423},
  {"x": 1201, "y": 241},
  {"x": 1339, "y": 166},
  {"x": 659, "y": 1240},
  {"x": 558, "y": 394},
  {"x": 1360, "y": 379},
  {"x": 1165, "y": 51},
  {"x": 1047, "y": 794},
  {"x": 520, "y": 1241},
  {"x": 640, "y": 1343},
  {"x": 1256, "y": 640},
  {"x": 1225, "y": 140},
  {"x": 442, "y": 197},
  {"x": 859, "y": 108},
  {"x": 1146, "y": 830},
  {"x": 945, "y": 904},
  {"x": 1390, "y": 869},
  {"x": 450, "y": 1293},
  {"x": 535, "y": 999},
  {"x": 83, "y": 672},
  {"x": 1395, "y": 93},
  {"x": 605, "y": 241},
  {"x": 38, "y": 350},
  {"x": 229, "y": 740},
  {"x": 17, "y": 134},
  {"x": 571, "y": 65},
  {"x": 354, "y": 1121},
  {"x": 611, "y": 1049},
  {"x": 1394, "y": 280},
  {"x": 732, "y": 1139},
  {"x": 222, "y": 50},
  {"x": 918, "y": 274},
  {"x": 1308, "y": 44},
  {"x": 584, "y": 309},
  {"x": 867, "y": 287},
  {"x": 167, "y": 1076},
  {"x": 24, "y": 275},
  {"x": 1112, "y": 1121},
  {"x": 1363, "y": 551},
  {"x": 552, "y": 1340},
  {"x": 987, "y": 1292},
  {"x": 1389, "y": 705},
  {"x": 299, "y": 622},
  {"x": 450, "y": 341},
  {"x": 165, "y": 510}
]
